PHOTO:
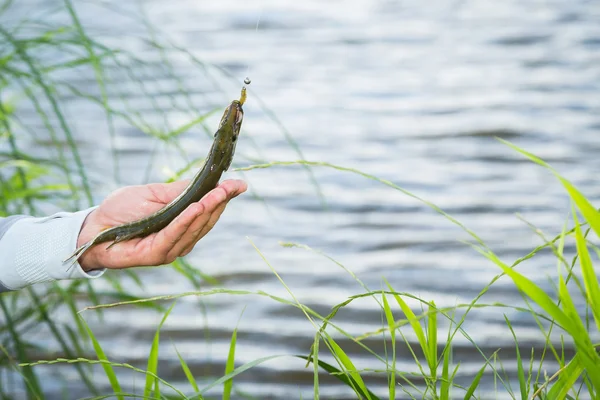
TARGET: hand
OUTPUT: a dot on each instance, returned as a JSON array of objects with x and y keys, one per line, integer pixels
[{"x": 176, "y": 239}]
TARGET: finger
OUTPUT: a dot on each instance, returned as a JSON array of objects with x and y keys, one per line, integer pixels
[
  {"x": 212, "y": 221},
  {"x": 191, "y": 225},
  {"x": 212, "y": 204},
  {"x": 233, "y": 187},
  {"x": 212, "y": 201},
  {"x": 167, "y": 238},
  {"x": 204, "y": 229},
  {"x": 188, "y": 239},
  {"x": 165, "y": 192},
  {"x": 215, "y": 201}
]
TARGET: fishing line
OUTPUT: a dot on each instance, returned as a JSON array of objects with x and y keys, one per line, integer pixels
[{"x": 247, "y": 79}]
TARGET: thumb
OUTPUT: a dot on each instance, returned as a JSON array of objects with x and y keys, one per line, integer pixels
[{"x": 165, "y": 192}]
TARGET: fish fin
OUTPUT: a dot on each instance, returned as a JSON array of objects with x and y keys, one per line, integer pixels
[
  {"x": 120, "y": 238},
  {"x": 114, "y": 242}
]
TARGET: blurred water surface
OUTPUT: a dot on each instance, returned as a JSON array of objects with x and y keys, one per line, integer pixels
[{"x": 409, "y": 91}]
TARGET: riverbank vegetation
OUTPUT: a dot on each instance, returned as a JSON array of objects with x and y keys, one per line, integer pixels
[{"x": 48, "y": 69}]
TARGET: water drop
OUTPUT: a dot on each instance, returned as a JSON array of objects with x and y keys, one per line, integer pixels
[{"x": 247, "y": 81}]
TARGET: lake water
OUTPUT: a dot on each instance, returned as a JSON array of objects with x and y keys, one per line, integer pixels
[{"x": 409, "y": 91}]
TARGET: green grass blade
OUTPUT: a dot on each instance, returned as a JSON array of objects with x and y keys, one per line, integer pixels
[
  {"x": 475, "y": 383},
  {"x": 349, "y": 366},
  {"x": 530, "y": 369},
  {"x": 235, "y": 373},
  {"x": 586, "y": 354},
  {"x": 527, "y": 154},
  {"x": 187, "y": 126},
  {"x": 21, "y": 51},
  {"x": 432, "y": 340},
  {"x": 108, "y": 369},
  {"x": 153, "y": 357},
  {"x": 414, "y": 322},
  {"x": 111, "y": 364},
  {"x": 13, "y": 145},
  {"x": 157, "y": 389},
  {"x": 31, "y": 381},
  {"x": 345, "y": 378},
  {"x": 315, "y": 359},
  {"x": 75, "y": 62},
  {"x": 590, "y": 213},
  {"x": 446, "y": 379},
  {"x": 69, "y": 300},
  {"x": 391, "y": 325},
  {"x": 589, "y": 275},
  {"x": 59, "y": 336},
  {"x": 533, "y": 291},
  {"x": 520, "y": 371},
  {"x": 230, "y": 365},
  {"x": 100, "y": 78},
  {"x": 566, "y": 379},
  {"x": 51, "y": 131},
  {"x": 371, "y": 177},
  {"x": 187, "y": 372}
]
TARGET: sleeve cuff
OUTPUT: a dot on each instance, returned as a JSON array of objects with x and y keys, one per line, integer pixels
[{"x": 33, "y": 250}]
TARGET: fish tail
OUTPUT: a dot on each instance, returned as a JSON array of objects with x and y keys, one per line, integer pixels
[{"x": 72, "y": 259}]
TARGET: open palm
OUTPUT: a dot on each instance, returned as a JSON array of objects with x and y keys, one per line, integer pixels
[{"x": 176, "y": 239}]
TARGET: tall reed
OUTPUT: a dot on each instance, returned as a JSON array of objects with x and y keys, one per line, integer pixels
[{"x": 38, "y": 61}]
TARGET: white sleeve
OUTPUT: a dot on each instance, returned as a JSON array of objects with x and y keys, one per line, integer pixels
[{"x": 32, "y": 250}]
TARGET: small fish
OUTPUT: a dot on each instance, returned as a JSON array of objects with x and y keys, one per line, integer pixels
[{"x": 218, "y": 161}]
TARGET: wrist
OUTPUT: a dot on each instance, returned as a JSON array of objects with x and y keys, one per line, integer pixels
[{"x": 34, "y": 250}]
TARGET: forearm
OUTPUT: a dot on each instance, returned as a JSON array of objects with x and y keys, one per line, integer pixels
[{"x": 32, "y": 250}]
